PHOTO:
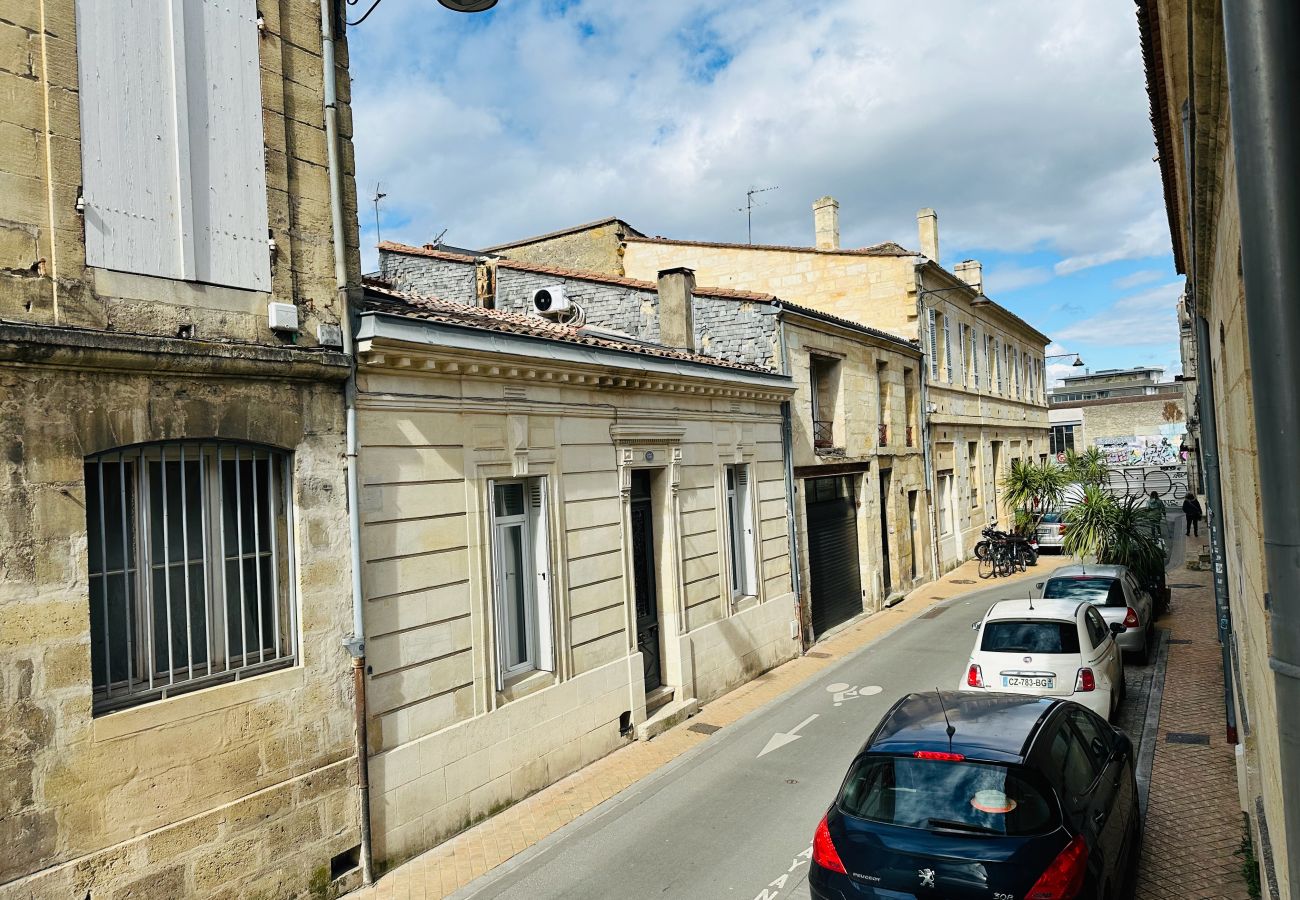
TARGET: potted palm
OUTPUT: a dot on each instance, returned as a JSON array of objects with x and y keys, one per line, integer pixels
[
  {"x": 1033, "y": 490},
  {"x": 1115, "y": 531}
]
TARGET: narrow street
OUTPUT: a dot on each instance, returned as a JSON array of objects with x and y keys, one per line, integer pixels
[{"x": 736, "y": 818}]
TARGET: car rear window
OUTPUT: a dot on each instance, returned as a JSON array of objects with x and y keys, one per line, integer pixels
[
  {"x": 1035, "y": 636},
  {"x": 1051, "y": 518},
  {"x": 946, "y": 795},
  {"x": 1094, "y": 589}
]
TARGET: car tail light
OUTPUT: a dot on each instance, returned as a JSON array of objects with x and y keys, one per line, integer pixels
[
  {"x": 824, "y": 853},
  {"x": 1064, "y": 877},
  {"x": 974, "y": 676},
  {"x": 1085, "y": 682},
  {"x": 1131, "y": 618},
  {"x": 939, "y": 755}
]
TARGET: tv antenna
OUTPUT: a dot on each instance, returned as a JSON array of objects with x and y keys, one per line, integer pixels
[
  {"x": 748, "y": 208},
  {"x": 379, "y": 195},
  {"x": 950, "y": 730}
]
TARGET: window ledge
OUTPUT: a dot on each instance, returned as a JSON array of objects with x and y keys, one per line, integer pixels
[
  {"x": 520, "y": 686},
  {"x": 159, "y": 713}
]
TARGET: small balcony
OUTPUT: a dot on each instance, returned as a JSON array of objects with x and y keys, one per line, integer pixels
[
  {"x": 882, "y": 435},
  {"x": 823, "y": 435},
  {"x": 910, "y": 440}
]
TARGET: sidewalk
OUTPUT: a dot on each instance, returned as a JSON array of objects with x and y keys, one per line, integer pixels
[
  {"x": 458, "y": 861},
  {"x": 1194, "y": 824}
]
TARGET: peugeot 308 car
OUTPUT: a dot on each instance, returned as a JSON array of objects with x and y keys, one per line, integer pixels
[{"x": 997, "y": 797}]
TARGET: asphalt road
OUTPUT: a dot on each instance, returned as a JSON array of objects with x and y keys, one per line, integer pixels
[{"x": 729, "y": 820}]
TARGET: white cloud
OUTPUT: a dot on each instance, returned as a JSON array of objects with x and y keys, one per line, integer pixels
[
  {"x": 1005, "y": 278},
  {"x": 1024, "y": 123},
  {"x": 1138, "y": 278},
  {"x": 1144, "y": 319}
]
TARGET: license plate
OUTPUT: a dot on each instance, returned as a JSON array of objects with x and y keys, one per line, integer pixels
[{"x": 1025, "y": 682}]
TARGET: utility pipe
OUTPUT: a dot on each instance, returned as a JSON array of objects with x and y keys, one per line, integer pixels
[
  {"x": 1260, "y": 37},
  {"x": 924, "y": 416},
  {"x": 356, "y": 643},
  {"x": 787, "y": 447}
]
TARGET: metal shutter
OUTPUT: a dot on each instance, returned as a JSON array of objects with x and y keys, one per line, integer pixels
[{"x": 835, "y": 588}]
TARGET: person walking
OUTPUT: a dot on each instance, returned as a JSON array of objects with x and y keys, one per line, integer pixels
[{"x": 1192, "y": 509}]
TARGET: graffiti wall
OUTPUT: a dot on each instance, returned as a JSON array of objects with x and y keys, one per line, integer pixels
[{"x": 1145, "y": 449}]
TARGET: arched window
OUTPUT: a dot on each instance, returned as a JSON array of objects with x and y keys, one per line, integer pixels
[{"x": 191, "y": 567}]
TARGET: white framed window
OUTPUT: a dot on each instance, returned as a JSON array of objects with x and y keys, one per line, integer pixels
[
  {"x": 521, "y": 577},
  {"x": 945, "y": 503},
  {"x": 740, "y": 528},
  {"x": 173, "y": 156},
  {"x": 209, "y": 523}
]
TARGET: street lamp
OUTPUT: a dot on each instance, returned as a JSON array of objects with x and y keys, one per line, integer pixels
[
  {"x": 1078, "y": 360},
  {"x": 465, "y": 6},
  {"x": 978, "y": 300}
]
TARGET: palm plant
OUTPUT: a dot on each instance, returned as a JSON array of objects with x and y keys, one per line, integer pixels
[
  {"x": 1032, "y": 490},
  {"x": 1119, "y": 532}
]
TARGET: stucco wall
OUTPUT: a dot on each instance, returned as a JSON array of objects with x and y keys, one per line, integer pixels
[{"x": 448, "y": 747}]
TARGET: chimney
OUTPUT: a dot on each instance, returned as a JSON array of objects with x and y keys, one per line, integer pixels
[
  {"x": 972, "y": 272},
  {"x": 826, "y": 223},
  {"x": 927, "y": 220},
  {"x": 676, "y": 308}
]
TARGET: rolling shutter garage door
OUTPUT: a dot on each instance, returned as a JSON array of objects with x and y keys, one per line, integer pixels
[{"x": 836, "y": 589}]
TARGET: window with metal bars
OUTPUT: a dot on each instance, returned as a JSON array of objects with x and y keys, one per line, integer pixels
[
  {"x": 740, "y": 525},
  {"x": 191, "y": 563}
]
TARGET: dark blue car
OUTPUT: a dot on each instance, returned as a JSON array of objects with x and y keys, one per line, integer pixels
[{"x": 998, "y": 797}]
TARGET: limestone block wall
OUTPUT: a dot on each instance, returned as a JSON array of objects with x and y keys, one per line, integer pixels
[
  {"x": 448, "y": 747},
  {"x": 43, "y": 275},
  {"x": 1132, "y": 419},
  {"x": 240, "y": 789},
  {"x": 594, "y": 249}
]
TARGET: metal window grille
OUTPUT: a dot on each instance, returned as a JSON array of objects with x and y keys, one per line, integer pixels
[{"x": 190, "y": 563}]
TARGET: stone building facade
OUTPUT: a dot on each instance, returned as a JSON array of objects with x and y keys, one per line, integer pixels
[
  {"x": 153, "y": 422},
  {"x": 593, "y": 247},
  {"x": 1207, "y": 246},
  {"x": 570, "y": 539}
]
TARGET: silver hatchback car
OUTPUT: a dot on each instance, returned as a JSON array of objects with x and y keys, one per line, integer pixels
[
  {"x": 1051, "y": 532},
  {"x": 1117, "y": 596}
]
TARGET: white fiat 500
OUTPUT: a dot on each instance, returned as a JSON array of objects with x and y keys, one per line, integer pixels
[{"x": 1049, "y": 648}]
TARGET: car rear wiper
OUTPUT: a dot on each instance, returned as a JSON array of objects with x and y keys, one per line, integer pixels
[{"x": 951, "y": 825}]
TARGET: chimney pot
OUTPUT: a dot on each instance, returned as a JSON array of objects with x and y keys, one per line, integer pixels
[
  {"x": 972, "y": 272},
  {"x": 927, "y": 221},
  {"x": 826, "y": 223},
  {"x": 677, "y": 308}
]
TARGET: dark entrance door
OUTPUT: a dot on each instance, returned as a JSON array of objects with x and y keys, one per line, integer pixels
[
  {"x": 836, "y": 589},
  {"x": 886, "y": 480},
  {"x": 643, "y": 578}
]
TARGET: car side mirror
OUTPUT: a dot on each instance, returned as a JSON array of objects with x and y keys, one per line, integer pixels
[
  {"x": 974, "y": 626},
  {"x": 1117, "y": 628}
]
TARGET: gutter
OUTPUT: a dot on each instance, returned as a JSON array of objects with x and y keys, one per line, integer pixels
[
  {"x": 1260, "y": 37},
  {"x": 787, "y": 448},
  {"x": 356, "y": 643}
]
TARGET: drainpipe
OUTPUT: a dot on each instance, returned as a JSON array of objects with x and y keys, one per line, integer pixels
[
  {"x": 1263, "y": 73},
  {"x": 787, "y": 448},
  {"x": 924, "y": 417},
  {"x": 356, "y": 643}
]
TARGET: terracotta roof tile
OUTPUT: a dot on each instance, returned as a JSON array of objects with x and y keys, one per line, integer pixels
[
  {"x": 887, "y": 248},
  {"x": 382, "y": 298},
  {"x": 429, "y": 251}
]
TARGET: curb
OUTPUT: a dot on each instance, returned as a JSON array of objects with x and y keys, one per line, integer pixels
[{"x": 1151, "y": 724}]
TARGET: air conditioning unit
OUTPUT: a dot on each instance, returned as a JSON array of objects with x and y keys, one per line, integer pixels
[{"x": 550, "y": 301}]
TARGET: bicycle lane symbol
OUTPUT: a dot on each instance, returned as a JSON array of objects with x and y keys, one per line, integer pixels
[{"x": 841, "y": 693}]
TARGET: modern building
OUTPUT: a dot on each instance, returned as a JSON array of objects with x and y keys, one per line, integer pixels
[
  {"x": 1110, "y": 384},
  {"x": 572, "y": 535},
  {"x": 1219, "y": 146},
  {"x": 174, "y": 576},
  {"x": 981, "y": 392}
]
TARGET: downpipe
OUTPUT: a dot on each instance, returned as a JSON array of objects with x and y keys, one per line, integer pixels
[
  {"x": 927, "y": 462},
  {"x": 355, "y": 643},
  {"x": 1260, "y": 38},
  {"x": 787, "y": 447}
]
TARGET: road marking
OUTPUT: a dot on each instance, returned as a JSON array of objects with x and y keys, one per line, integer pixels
[
  {"x": 776, "y": 885},
  {"x": 842, "y": 692},
  {"x": 780, "y": 739}
]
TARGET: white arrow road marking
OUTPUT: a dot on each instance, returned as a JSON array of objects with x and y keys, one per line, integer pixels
[{"x": 780, "y": 739}]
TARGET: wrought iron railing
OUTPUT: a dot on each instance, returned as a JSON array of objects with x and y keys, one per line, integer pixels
[
  {"x": 823, "y": 435},
  {"x": 909, "y": 436},
  {"x": 883, "y": 434}
]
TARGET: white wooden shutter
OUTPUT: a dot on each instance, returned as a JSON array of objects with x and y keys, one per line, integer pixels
[
  {"x": 746, "y": 524},
  {"x": 975, "y": 357},
  {"x": 934, "y": 349},
  {"x": 173, "y": 158},
  {"x": 539, "y": 515},
  {"x": 947, "y": 347},
  {"x": 129, "y": 109},
  {"x": 997, "y": 360},
  {"x": 227, "y": 151}
]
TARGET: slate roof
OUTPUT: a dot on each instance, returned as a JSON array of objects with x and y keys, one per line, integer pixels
[{"x": 381, "y": 298}]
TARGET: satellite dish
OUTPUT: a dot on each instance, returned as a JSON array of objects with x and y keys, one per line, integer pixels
[{"x": 468, "y": 6}]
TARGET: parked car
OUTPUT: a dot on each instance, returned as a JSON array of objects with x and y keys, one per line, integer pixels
[
  {"x": 1019, "y": 797},
  {"x": 1050, "y": 648},
  {"x": 1051, "y": 532},
  {"x": 1117, "y": 596}
]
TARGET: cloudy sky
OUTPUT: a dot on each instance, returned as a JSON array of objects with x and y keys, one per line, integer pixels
[{"x": 1023, "y": 122}]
